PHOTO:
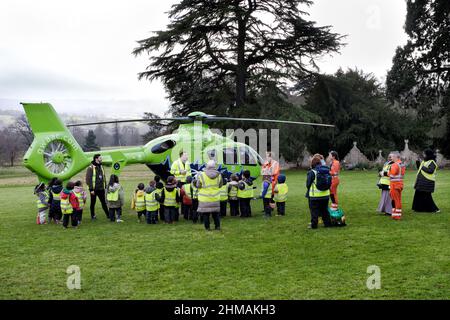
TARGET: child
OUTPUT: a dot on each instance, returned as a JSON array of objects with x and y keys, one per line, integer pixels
[
  {"x": 245, "y": 194},
  {"x": 81, "y": 195},
  {"x": 151, "y": 203},
  {"x": 55, "y": 201},
  {"x": 69, "y": 204},
  {"x": 42, "y": 203},
  {"x": 232, "y": 195},
  {"x": 159, "y": 189},
  {"x": 114, "y": 199},
  {"x": 170, "y": 198},
  {"x": 194, "y": 200},
  {"x": 186, "y": 196},
  {"x": 138, "y": 201},
  {"x": 223, "y": 196},
  {"x": 266, "y": 193},
  {"x": 280, "y": 197}
]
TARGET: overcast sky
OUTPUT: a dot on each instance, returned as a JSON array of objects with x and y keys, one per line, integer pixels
[{"x": 68, "y": 51}]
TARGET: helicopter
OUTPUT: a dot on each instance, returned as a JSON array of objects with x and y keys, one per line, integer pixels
[{"x": 54, "y": 152}]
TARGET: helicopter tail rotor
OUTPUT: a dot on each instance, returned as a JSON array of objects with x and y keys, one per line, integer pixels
[{"x": 54, "y": 151}]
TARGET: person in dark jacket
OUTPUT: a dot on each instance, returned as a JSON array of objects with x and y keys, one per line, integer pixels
[
  {"x": 425, "y": 184},
  {"x": 96, "y": 181},
  {"x": 318, "y": 200},
  {"x": 55, "y": 189}
]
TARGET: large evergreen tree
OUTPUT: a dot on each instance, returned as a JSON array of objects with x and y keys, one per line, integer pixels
[
  {"x": 223, "y": 53},
  {"x": 90, "y": 144},
  {"x": 420, "y": 76}
]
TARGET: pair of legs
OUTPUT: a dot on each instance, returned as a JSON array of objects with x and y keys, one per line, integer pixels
[
  {"x": 245, "y": 207},
  {"x": 100, "y": 194},
  {"x": 223, "y": 208},
  {"x": 113, "y": 212},
  {"x": 333, "y": 193},
  {"x": 281, "y": 208},
  {"x": 319, "y": 208},
  {"x": 234, "y": 208},
  {"x": 216, "y": 218},
  {"x": 170, "y": 214},
  {"x": 187, "y": 211},
  {"x": 396, "y": 196},
  {"x": 78, "y": 215},
  {"x": 267, "y": 208},
  {"x": 73, "y": 220},
  {"x": 151, "y": 217}
]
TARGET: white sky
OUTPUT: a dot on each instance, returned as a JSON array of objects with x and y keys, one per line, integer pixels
[{"x": 77, "y": 52}]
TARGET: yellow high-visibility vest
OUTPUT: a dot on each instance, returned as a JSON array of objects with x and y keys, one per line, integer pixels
[
  {"x": 150, "y": 201},
  {"x": 139, "y": 202},
  {"x": 79, "y": 196},
  {"x": 210, "y": 190},
  {"x": 269, "y": 191},
  {"x": 283, "y": 190},
  {"x": 224, "y": 192},
  {"x": 233, "y": 191},
  {"x": 247, "y": 192},
  {"x": 188, "y": 190},
  {"x": 94, "y": 176},
  {"x": 66, "y": 206},
  {"x": 177, "y": 166},
  {"x": 194, "y": 191},
  {"x": 385, "y": 180},
  {"x": 428, "y": 176},
  {"x": 56, "y": 196},
  {"x": 112, "y": 196},
  {"x": 316, "y": 193},
  {"x": 41, "y": 205},
  {"x": 170, "y": 197}
]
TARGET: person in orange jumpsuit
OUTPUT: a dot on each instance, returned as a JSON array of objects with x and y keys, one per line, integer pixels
[
  {"x": 272, "y": 168},
  {"x": 335, "y": 168},
  {"x": 396, "y": 174}
]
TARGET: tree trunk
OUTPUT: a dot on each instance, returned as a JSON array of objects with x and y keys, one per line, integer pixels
[{"x": 241, "y": 69}]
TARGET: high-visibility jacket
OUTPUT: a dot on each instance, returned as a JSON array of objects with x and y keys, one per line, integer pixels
[
  {"x": 170, "y": 197},
  {"x": 268, "y": 194},
  {"x": 194, "y": 191},
  {"x": 232, "y": 194},
  {"x": 428, "y": 176},
  {"x": 210, "y": 190},
  {"x": 150, "y": 201},
  {"x": 159, "y": 192},
  {"x": 113, "y": 196},
  {"x": 397, "y": 173},
  {"x": 94, "y": 176},
  {"x": 247, "y": 192},
  {"x": 139, "y": 201},
  {"x": 66, "y": 206},
  {"x": 40, "y": 204},
  {"x": 176, "y": 168},
  {"x": 316, "y": 193},
  {"x": 56, "y": 196},
  {"x": 79, "y": 196},
  {"x": 385, "y": 180},
  {"x": 224, "y": 192},
  {"x": 188, "y": 190},
  {"x": 335, "y": 169},
  {"x": 281, "y": 195}
]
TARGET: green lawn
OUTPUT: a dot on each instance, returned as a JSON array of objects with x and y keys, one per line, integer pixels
[{"x": 249, "y": 259}]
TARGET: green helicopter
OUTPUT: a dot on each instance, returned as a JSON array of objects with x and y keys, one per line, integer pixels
[{"x": 55, "y": 152}]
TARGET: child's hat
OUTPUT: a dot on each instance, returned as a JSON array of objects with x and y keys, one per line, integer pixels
[
  {"x": 281, "y": 178},
  {"x": 39, "y": 187}
]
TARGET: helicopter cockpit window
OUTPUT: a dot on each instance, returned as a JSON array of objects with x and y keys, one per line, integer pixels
[
  {"x": 247, "y": 157},
  {"x": 163, "y": 146},
  {"x": 230, "y": 156}
]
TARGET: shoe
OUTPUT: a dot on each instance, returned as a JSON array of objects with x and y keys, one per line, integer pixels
[
  {"x": 437, "y": 211},
  {"x": 208, "y": 229},
  {"x": 94, "y": 218},
  {"x": 218, "y": 229},
  {"x": 119, "y": 220}
]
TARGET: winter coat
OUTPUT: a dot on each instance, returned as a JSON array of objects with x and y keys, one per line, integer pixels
[
  {"x": 100, "y": 179},
  {"x": 55, "y": 204},
  {"x": 72, "y": 198},
  {"x": 423, "y": 184},
  {"x": 115, "y": 204},
  {"x": 209, "y": 206},
  {"x": 169, "y": 188}
]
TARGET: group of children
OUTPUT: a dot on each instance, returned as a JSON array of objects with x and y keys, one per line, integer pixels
[
  {"x": 59, "y": 203},
  {"x": 159, "y": 202}
]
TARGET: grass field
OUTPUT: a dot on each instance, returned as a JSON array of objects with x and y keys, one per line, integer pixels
[{"x": 256, "y": 258}]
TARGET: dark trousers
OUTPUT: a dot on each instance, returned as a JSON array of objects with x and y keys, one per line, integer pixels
[
  {"x": 216, "y": 218},
  {"x": 187, "y": 211},
  {"x": 245, "y": 208},
  {"x": 161, "y": 213},
  {"x": 140, "y": 214},
  {"x": 151, "y": 217},
  {"x": 78, "y": 215},
  {"x": 72, "y": 218},
  {"x": 101, "y": 196},
  {"x": 223, "y": 208},
  {"x": 234, "y": 208},
  {"x": 113, "y": 212},
  {"x": 170, "y": 214},
  {"x": 267, "y": 208},
  {"x": 319, "y": 208},
  {"x": 194, "y": 210},
  {"x": 281, "y": 208},
  {"x": 55, "y": 212}
]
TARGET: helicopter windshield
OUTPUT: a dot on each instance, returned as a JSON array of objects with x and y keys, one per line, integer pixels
[{"x": 163, "y": 146}]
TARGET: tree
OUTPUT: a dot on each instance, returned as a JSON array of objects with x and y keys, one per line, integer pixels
[
  {"x": 155, "y": 128},
  {"x": 90, "y": 143},
  {"x": 104, "y": 138},
  {"x": 420, "y": 76},
  {"x": 355, "y": 103},
  {"x": 219, "y": 51},
  {"x": 23, "y": 129}
]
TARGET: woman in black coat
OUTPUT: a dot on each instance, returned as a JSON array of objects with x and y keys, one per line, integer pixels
[{"x": 425, "y": 184}]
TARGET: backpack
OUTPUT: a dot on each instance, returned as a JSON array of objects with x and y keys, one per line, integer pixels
[{"x": 323, "y": 178}]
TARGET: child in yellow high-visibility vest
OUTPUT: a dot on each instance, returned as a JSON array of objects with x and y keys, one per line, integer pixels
[
  {"x": 232, "y": 195},
  {"x": 42, "y": 203},
  {"x": 266, "y": 194},
  {"x": 81, "y": 195},
  {"x": 280, "y": 195},
  {"x": 138, "y": 201},
  {"x": 152, "y": 203}
]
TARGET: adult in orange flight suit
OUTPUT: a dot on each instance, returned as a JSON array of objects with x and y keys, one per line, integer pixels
[
  {"x": 396, "y": 174},
  {"x": 334, "y": 171},
  {"x": 271, "y": 167}
]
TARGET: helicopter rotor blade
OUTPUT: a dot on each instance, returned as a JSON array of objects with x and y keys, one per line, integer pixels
[
  {"x": 214, "y": 118},
  {"x": 126, "y": 121}
]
